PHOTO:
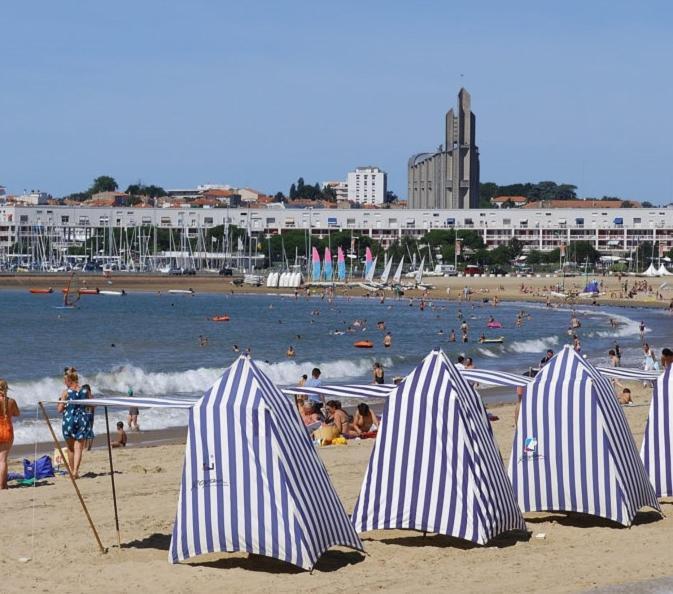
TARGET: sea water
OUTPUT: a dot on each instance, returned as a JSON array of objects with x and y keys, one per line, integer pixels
[{"x": 150, "y": 342}]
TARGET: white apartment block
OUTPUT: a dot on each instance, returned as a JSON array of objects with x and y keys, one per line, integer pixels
[
  {"x": 616, "y": 231},
  {"x": 367, "y": 186},
  {"x": 340, "y": 189}
]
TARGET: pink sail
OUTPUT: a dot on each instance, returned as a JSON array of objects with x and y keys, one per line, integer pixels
[
  {"x": 368, "y": 261},
  {"x": 341, "y": 264},
  {"x": 327, "y": 265},
  {"x": 315, "y": 260}
]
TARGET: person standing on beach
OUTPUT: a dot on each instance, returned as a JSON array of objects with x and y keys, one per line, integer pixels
[
  {"x": 8, "y": 410},
  {"x": 74, "y": 424},
  {"x": 134, "y": 412},
  {"x": 642, "y": 330}
]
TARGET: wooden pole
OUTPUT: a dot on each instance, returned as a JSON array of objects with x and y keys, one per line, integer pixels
[
  {"x": 72, "y": 479},
  {"x": 112, "y": 478}
]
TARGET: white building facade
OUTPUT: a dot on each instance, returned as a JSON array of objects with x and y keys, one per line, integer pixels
[
  {"x": 367, "y": 186},
  {"x": 611, "y": 231}
]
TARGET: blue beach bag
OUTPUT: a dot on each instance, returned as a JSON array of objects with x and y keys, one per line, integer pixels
[{"x": 43, "y": 467}]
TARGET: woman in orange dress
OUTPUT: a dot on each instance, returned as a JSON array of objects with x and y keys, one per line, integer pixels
[{"x": 8, "y": 409}]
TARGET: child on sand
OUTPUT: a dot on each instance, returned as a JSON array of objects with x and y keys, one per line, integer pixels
[{"x": 120, "y": 441}]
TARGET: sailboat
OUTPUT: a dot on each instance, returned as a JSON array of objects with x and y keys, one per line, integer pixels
[
  {"x": 315, "y": 262},
  {"x": 397, "y": 277},
  {"x": 341, "y": 265},
  {"x": 368, "y": 262},
  {"x": 386, "y": 272},
  {"x": 327, "y": 265},
  {"x": 71, "y": 293}
]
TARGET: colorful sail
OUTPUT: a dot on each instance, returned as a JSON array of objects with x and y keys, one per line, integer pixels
[
  {"x": 71, "y": 295},
  {"x": 327, "y": 265},
  {"x": 315, "y": 259},
  {"x": 341, "y": 264},
  {"x": 368, "y": 261}
]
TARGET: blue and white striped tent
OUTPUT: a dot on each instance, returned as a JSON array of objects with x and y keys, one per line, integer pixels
[
  {"x": 435, "y": 466},
  {"x": 657, "y": 448},
  {"x": 252, "y": 480},
  {"x": 573, "y": 449}
]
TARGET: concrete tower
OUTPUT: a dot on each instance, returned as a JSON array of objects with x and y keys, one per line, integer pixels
[{"x": 449, "y": 177}]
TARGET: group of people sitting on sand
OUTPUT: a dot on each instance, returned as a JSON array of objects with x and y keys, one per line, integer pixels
[{"x": 334, "y": 420}]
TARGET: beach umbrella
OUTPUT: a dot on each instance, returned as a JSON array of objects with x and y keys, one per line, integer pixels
[
  {"x": 435, "y": 466},
  {"x": 252, "y": 480},
  {"x": 657, "y": 449},
  {"x": 573, "y": 449}
]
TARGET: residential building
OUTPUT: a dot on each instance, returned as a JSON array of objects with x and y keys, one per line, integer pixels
[
  {"x": 340, "y": 189},
  {"x": 448, "y": 177},
  {"x": 615, "y": 231},
  {"x": 33, "y": 198},
  {"x": 509, "y": 201},
  {"x": 367, "y": 186}
]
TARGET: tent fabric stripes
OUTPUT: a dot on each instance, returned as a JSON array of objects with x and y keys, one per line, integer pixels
[
  {"x": 657, "y": 448},
  {"x": 126, "y": 402},
  {"x": 252, "y": 480},
  {"x": 345, "y": 391},
  {"x": 495, "y": 378},
  {"x": 573, "y": 449},
  {"x": 629, "y": 374},
  {"x": 435, "y": 466}
]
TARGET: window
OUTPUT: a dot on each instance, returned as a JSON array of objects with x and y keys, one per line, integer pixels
[
  {"x": 65, "y": 220},
  {"x": 208, "y": 220}
]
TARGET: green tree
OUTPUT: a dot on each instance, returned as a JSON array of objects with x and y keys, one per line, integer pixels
[
  {"x": 581, "y": 251},
  {"x": 103, "y": 183},
  {"x": 646, "y": 204},
  {"x": 150, "y": 191}
]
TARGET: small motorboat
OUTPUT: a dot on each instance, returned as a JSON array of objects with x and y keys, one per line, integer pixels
[
  {"x": 220, "y": 318},
  {"x": 181, "y": 291},
  {"x": 121, "y": 293},
  {"x": 42, "y": 291},
  {"x": 363, "y": 344},
  {"x": 498, "y": 340},
  {"x": 494, "y": 324},
  {"x": 89, "y": 291}
]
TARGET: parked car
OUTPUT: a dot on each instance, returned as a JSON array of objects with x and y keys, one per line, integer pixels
[{"x": 472, "y": 269}]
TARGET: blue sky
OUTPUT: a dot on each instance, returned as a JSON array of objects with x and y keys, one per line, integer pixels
[{"x": 260, "y": 93}]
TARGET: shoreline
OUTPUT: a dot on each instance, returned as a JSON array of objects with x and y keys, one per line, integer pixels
[{"x": 443, "y": 288}]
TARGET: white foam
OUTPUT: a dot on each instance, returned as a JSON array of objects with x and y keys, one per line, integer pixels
[
  {"x": 487, "y": 353},
  {"x": 146, "y": 383},
  {"x": 534, "y": 345}
]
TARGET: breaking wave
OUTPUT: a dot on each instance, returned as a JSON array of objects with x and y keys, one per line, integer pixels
[
  {"x": 149, "y": 383},
  {"x": 534, "y": 345}
]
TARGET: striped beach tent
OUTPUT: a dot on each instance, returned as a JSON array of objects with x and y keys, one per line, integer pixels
[
  {"x": 435, "y": 466},
  {"x": 252, "y": 480},
  {"x": 657, "y": 449},
  {"x": 573, "y": 449}
]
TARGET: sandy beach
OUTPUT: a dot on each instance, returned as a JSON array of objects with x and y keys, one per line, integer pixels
[
  {"x": 46, "y": 524},
  {"x": 536, "y": 287}
]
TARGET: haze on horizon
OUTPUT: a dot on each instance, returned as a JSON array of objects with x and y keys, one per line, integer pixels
[{"x": 260, "y": 94}]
